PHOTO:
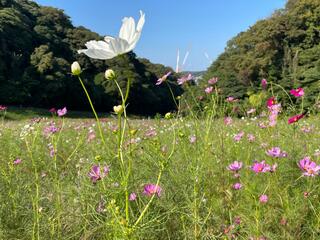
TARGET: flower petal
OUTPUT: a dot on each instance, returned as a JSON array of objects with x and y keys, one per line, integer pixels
[{"x": 128, "y": 29}]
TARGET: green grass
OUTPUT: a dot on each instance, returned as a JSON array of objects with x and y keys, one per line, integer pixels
[{"x": 47, "y": 197}]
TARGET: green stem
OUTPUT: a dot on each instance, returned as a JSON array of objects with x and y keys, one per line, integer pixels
[{"x": 93, "y": 110}]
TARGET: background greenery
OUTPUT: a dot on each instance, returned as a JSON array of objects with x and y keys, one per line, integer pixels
[{"x": 38, "y": 45}]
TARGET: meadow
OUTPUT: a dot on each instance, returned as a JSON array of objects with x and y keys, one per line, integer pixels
[{"x": 163, "y": 178}]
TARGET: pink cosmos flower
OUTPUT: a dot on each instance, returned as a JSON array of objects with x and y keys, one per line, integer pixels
[
  {"x": 209, "y": 90},
  {"x": 238, "y": 136},
  {"x": 200, "y": 98},
  {"x": 231, "y": 99},
  {"x": 276, "y": 152},
  {"x": 185, "y": 79},
  {"x": 264, "y": 84},
  {"x": 260, "y": 167},
  {"x": 193, "y": 139},
  {"x": 151, "y": 133},
  {"x": 163, "y": 78},
  {"x": 237, "y": 186},
  {"x": 132, "y": 196},
  {"x": 273, "y": 114},
  {"x": 252, "y": 110},
  {"x": 62, "y": 112},
  {"x": 235, "y": 166},
  {"x": 251, "y": 137},
  {"x": 309, "y": 167},
  {"x": 97, "y": 173},
  {"x": 3, "y": 108},
  {"x": 213, "y": 81},
  {"x": 51, "y": 129},
  {"x": 262, "y": 125},
  {"x": 52, "y": 110},
  {"x": 227, "y": 121},
  {"x": 91, "y": 135},
  {"x": 151, "y": 189},
  {"x": 263, "y": 198},
  {"x": 299, "y": 92},
  {"x": 17, "y": 161},
  {"x": 295, "y": 118}
]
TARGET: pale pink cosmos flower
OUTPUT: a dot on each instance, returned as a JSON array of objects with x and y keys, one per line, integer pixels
[
  {"x": 238, "y": 136},
  {"x": 213, "y": 81},
  {"x": 62, "y": 112},
  {"x": 263, "y": 198},
  {"x": 252, "y": 110},
  {"x": 151, "y": 189},
  {"x": 262, "y": 125},
  {"x": 185, "y": 79},
  {"x": 163, "y": 78},
  {"x": 228, "y": 121},
  {"x": 235, "y": 166},
  {"x": 299, "y": 92},
  {"x": 231, "y": 99},
  {"x": 276, "y": 152},
  {"x": 132, "y": 196},
  {"x": 309, "y": 167},
  {"x": 192, "y": 139},
  {"x": 260, "y": 167},
  {"x": 209, "y": 90},
  {"x": 251, "y": 137},
  {"x": 97, "y": 173}
]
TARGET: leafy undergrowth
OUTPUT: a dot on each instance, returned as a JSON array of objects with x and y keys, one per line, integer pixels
[{"x": 59, "y": 181}]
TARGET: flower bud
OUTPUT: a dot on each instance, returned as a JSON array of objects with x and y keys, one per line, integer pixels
[
  {"x": 110, "y": 74},
  {"x": 168, "y": 115},
  {"x": 76, "y": 69},
  {"x": 118, "y": 109}
]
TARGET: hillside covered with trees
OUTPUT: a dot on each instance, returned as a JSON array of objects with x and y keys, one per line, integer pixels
[
  {"x": 284, "y": 49},
  {"x": 38, "y": 45}
]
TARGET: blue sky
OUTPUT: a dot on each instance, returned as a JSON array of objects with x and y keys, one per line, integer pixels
[{"x": 196, "y": 26}]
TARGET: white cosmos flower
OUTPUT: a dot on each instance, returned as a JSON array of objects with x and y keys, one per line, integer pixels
[{"x": 111, "y": 47}]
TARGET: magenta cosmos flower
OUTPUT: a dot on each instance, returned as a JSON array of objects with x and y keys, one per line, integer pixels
[
  {"x": 97, "y": 173},
  {"x": 260, "y": 167},
  {"x": 264, "y": 84},
  {"x": 309, "y": 167},
  {"x": 235, "y": 166},
  {"x": 163, "y": 78},
  {"x": 213, "y": 80},
  {"x": 271, "y": 101},
  {"x": 62, "y": 112},
  {"x": 276, "y": 152},
  {"x": 209, "y": 90},
  {"x": 151, "y": 189},
  {"x": 299, "y": 92},
  {"x": 295, "y": 118}
]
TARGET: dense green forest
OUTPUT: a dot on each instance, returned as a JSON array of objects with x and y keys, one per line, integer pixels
[
  {"x": 284, "y": 49},
  {"x": 38, "y": 45}
]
